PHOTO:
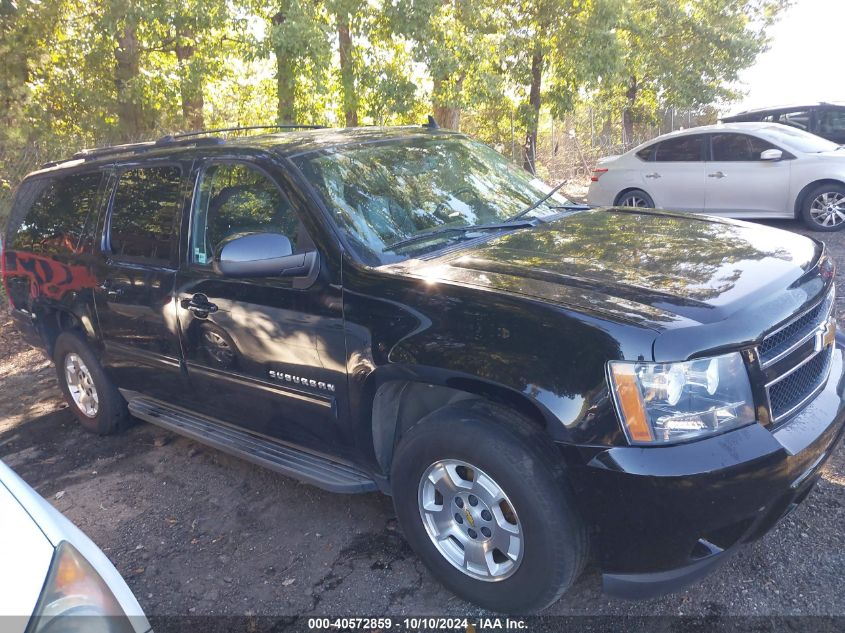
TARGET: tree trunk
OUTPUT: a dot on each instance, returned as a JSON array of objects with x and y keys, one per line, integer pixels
[
  {"x": 628, "y": 113},
  {"x": 444, "y": 110},
  {"x": 347, "y": 71},
  {"x": 128, "y": 62},
  {"x": 529, "y": 150},
  {"x": 285, "y": 81},
  {"x": 190, "y": 83}
]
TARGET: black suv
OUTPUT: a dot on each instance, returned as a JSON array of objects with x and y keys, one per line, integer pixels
[
  {"x": 823, "y": 119},
  {"x": 534, "y": 382}
]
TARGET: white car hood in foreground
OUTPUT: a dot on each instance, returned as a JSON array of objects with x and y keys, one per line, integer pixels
[
  {"x": 30, "y": 530},
  {"x": 26, "y": 554}
]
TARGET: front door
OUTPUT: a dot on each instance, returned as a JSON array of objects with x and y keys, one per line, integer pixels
[
  {"x": 135, "y": 278},
  {"x": 740, "y": 184},
  {"x": 267, "y": 354}
]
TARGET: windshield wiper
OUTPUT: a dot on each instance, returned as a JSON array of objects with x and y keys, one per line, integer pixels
[
  {"x": 536, "y": 204},
  {"x": 421, "y": 237}
]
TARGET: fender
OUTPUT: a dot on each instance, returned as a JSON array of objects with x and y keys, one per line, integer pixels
[
  {"x": 383, "y": 421},
  {"x": 49, "y": 288},
  {"x": 538, "y": 358}
]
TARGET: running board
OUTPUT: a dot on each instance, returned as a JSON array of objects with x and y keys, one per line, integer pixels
[{"x": 312, "y": 469}]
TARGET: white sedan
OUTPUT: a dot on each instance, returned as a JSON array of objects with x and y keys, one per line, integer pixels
[
  {"x": 53, "y": 578},
  {"x": 737, "y": 170}
]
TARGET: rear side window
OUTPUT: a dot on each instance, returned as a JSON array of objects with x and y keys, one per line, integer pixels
[
  {"x": 682, "y": 149},
  {"x": 738, "y": 147},
  {"x": 51, "y": 215},
  {"x": 143, "y": 217}
]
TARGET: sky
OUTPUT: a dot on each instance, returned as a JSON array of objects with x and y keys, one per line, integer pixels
[{"x": 804, "y": 61}]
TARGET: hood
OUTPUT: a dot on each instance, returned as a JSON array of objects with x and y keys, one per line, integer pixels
[
  {"x": 656, "y": 269},
  {"x": 837, "y": 154}
]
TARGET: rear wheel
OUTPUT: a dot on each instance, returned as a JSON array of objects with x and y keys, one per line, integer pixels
[
  {"x": 92, "y": 397},
  {"x": 482, "y": 498},
  {"x": 824, "y": 208},
  {"x": 635, "y": 198}
]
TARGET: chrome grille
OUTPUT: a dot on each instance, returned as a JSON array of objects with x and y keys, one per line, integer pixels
[
  {"x": 780, "y": 342},
  {"x": 799, "y": 376},
  {"x": 789, "y": 393}
]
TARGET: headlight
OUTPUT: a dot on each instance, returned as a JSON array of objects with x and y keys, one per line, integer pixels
[
  {"x": 76, "y": 599},
  {"x": 660, "y": 403}
]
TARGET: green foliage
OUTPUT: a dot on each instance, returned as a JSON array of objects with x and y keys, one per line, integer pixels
[
  {"x": 683, "y": 54},
  {"x": 84, "y": 72}
]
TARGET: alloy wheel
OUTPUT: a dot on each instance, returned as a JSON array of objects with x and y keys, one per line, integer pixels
[
  {"x": 81, "y": 386},
  {"x": 470, "y": 520},
  {"x": 634, "y": 201},
  {"x": 828, "y": 209}
]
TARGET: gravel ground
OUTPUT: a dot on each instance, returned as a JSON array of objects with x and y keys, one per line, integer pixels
[{"x": 194, "y": 531}]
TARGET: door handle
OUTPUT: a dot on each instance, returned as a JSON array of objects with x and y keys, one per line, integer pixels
[
  {"x": 199, "y": 305},
  {"x": 716, "y": 174},
  {"x": 653, "y": 175}
]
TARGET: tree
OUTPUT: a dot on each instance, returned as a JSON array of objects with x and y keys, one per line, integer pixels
[
  {"x": 685, "y": 53},
  {"x": 343, "y": 12},
  {"x": 195, "y": 31},
  {"x": 457, "y": 41},
  {"x": 569, "y": 42},
  {"x": 299, "y": 40}
]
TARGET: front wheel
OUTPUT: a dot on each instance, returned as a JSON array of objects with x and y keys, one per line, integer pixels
[
  {"x": 482, "y": 498},
  {"x": 635, "y": 198},
  {"x": 824, "y": 208}
]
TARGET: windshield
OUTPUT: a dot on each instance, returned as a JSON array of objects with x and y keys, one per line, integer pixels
[
  {"x": 799, "y": 140},
  {"x": 381, "y": 194}
]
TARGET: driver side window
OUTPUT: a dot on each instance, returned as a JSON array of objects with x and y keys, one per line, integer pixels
[{"x": 237, "y": 198}]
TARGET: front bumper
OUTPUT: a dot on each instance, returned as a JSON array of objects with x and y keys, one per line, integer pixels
[{"x": 666, "y": 516}]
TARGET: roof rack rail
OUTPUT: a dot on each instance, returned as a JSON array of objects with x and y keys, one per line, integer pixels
[
  {"x": 182, "y": 135},
  {"x": 94, "y": 152},
  {"x": 170, "y": 140},
  {"x": 109, "y": 150}
]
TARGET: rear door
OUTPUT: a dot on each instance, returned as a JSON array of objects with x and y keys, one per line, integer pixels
[
  {"x": 740, "y": 184},
  {"x": 267, "y": 354},
  {"x": 675, "y": 176},
  {"x": 136, "y": 275}
]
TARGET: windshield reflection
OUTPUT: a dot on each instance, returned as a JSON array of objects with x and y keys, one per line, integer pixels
[{"x": 382, "y": 194}]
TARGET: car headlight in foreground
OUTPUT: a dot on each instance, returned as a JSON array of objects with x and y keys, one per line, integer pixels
[
  {"x": 661, "y": 403},
  {"x": 75, "y": 599}
]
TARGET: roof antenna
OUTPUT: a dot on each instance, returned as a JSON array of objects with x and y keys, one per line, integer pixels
[{"x": 431, "y": 124}]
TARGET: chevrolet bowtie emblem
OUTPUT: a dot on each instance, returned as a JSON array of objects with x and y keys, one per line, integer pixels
[
  {"x": 469, "y": 518},
  {"x": 825, "y": 335}
]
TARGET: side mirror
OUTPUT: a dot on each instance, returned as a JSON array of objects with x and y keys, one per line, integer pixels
[
  {"x": 771, "y": 154},
  {"x": 262, "y": 255}
]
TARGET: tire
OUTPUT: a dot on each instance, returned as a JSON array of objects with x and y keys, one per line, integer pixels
[
  {"x": 105, "y": 413},
  {"x": 825, "y": 203},
  {"x": 634, "y": 198},
  {"x": 516, "y": 456}
]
